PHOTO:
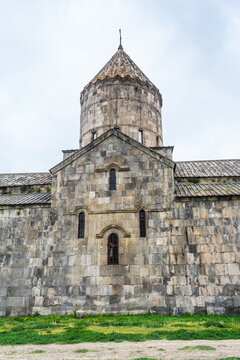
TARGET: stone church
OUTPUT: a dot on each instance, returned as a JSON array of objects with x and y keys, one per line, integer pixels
[{"x": 118, "y": 226}]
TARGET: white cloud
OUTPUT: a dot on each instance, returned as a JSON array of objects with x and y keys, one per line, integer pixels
[{"x": 230, "y": 13}]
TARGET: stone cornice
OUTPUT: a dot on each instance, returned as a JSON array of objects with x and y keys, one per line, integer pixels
[{"x": 126, "y": 80}]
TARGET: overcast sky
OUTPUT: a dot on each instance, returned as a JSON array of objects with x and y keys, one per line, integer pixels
[{"x": 50, "y": 49}]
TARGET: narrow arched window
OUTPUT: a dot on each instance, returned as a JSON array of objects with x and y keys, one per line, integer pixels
[
  {"x": 142, "y": 223},
  {"x": 81, "y": 225},
  {"x": 94, "y": 135},
  {"x": 112, "y": 179},
  {"x": 113, "y": 249},
  {"x": 140, "y": 136}
]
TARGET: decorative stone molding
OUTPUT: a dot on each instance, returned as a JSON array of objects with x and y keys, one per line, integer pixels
[
  {"x": 139, "y": 207},
  {"x": 78, "y": 209},
  {"x": 112, "y": 166},
  {"x": 113, "y": 227}
]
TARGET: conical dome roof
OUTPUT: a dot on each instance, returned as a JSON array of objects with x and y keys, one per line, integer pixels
[
  {"x": 121, "y": 95},
  {"x": 121, "y": 65}
]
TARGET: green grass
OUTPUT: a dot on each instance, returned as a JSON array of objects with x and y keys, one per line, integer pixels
[
  {"x": 144, "y": 358},
  {"x": 230, "y": 358},
  {"x": 81, "y": 351},
  {"x": 69, "y": 330},
  {"x": 37, "y": 352},
  {"x": 198, "y": 347}
]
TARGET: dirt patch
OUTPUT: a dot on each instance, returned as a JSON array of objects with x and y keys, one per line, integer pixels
[{"x": 156, "y": 349}]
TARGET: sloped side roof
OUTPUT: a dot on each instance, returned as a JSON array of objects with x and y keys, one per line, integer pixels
[
  {"x": 42, "y": 178},
  {"x": 211, "y": 189},
  {"x": 208, "y": 168},
  {"x": 121, "y": 65},
  {"x": 25, "y": 199}
]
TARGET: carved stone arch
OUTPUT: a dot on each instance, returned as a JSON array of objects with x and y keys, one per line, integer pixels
[
  {"x": 80, "y": 208},
  {"x": 112, "y": 228},
  {"x": 112, "y": 166},
  {"x": 141, "y": 207}
]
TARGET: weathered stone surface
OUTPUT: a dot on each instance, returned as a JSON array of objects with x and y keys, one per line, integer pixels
[{"x": 187, "y": 262}]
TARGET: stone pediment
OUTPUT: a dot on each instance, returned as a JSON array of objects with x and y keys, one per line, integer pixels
[{"x": 100, "y": 139}]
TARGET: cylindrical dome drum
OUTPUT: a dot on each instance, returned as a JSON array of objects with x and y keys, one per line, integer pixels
[{"x": 121, "y": 96}]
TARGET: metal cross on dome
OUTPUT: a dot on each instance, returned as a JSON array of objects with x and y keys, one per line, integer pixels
[{"x": 120, "y": 40}]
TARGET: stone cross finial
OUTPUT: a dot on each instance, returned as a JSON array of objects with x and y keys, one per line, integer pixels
[{"x": 120, "y": 43}]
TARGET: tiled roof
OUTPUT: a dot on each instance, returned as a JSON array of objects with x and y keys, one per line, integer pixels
[
  {"x": 208, "y": 168},
  {"x": 25, "y": 199},
  {"x": 42, "y": 178},
  {"x": 121, "y": 65},
  {"x": 211, "y": 189}
]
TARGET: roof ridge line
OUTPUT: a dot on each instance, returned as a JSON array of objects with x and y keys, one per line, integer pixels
[
  {"x": 40, "y": 172},
  {"x": 187, "y": 161}
]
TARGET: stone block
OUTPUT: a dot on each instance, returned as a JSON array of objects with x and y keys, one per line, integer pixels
[
  {"x": 233, "y": 269},
  {"x": 156, "y": 300}
]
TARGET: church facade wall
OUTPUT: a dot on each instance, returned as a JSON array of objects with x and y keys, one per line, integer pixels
[
  {"x": 83, "y": 186},
  {"x": 188, "y": 261}
]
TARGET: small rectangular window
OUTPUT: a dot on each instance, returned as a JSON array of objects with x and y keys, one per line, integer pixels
[{"x": 140, "y": 136}]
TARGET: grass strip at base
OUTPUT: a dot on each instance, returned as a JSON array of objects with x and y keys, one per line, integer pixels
[
  {"x": 145, "y": 358},
  {"x": 67, "y": 329},
  {"x": 230, "y": 358}
]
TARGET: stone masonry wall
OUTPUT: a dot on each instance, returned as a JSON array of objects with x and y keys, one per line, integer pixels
[
  {"x": 189, "y": 260},
  {"x": 202, "y": 238},
  {"x": 24, "y": 242}
]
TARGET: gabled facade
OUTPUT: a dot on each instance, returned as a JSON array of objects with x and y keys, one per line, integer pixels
[{"x": 118, "y": 226}]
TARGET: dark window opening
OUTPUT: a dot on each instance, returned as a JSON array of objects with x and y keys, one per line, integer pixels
[
  {"x": 112, "y": 249},
  {"x": 94, "y": 135},
  {"x": 112, "y": 179},
  {"x": 81, "y": 225},
  {"x": 142, "y": 223},
  {"x": 140, "y": 136},
  {"x": 4, "y": 190}
]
